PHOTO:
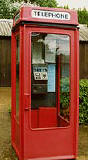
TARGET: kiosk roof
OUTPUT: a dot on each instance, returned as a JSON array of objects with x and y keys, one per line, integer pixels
[{"x": 46, "y": 15}]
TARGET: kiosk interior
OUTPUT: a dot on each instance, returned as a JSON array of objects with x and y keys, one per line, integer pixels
[{"x": 45, "y": 89}]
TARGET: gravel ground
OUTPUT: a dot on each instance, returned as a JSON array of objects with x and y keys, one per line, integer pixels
[
  {"x": 6, "y": 151},
  {"x": 83, "y": 142}
]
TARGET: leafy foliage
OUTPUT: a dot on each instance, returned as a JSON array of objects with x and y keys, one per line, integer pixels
[
  {"x": 83, "y": 16},
  {"x": 83, "y": 101},
  {"x": 9, "y": 7},
  {"x": 66, "y": 7},
  {"x": 64, "y": 99},
  {"x": 45, "y": 3},
  {"x": 3, "y": 7},
  {"x": 64, "y": 96}
]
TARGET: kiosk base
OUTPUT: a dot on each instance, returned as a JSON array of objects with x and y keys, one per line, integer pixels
[{"x": 54, "y": 158}]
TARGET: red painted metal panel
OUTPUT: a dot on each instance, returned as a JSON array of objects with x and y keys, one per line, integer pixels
[
  {"x": 50, "y": 142},
  {"x": 62, "y": 122},
  {"x": 26, "y": 15},
  {"x": 76, "y": 90},
  {"x": 17, "y": 135},
  {"x": 13, "y": 85},
  {"x": 58, "y": 86},
  {"x": 34, "y": 118},
  {"x": 42, "y": 138},
  {"x": 44, "y": 117},
  {"x": 47, "y": 117},
  {"x": 17, "y": 125},
  {"x": 21, "y": 98}
]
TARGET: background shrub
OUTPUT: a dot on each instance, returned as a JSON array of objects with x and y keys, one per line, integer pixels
[
  {"x": 83, "y": 98},
  {"x": 83, "y": 101}
]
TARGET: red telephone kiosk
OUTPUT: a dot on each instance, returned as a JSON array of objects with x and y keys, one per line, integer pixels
[{"x": 45, "y": 83}]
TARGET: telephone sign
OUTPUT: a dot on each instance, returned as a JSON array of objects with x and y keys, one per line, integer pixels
[{"x": 50, "y": 15}]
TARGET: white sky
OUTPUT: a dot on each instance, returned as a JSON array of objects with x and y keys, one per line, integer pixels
[{"x": 74, "y": 3}]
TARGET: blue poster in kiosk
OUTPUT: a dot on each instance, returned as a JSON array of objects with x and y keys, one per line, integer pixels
[{"x": 51, "y": 77}]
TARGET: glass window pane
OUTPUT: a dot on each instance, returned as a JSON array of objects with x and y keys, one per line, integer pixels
[
  {"x": 50, "y": 80},
  {"x": 64, "y": 56}
]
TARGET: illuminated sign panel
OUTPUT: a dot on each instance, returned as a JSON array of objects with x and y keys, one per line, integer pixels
[{"x": 50, "y": 15}]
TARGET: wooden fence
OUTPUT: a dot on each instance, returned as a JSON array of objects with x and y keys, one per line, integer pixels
[{"x": 5, "y": 61}]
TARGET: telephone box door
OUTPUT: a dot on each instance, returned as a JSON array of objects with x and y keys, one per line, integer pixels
[{"x": 50, "y": 86}]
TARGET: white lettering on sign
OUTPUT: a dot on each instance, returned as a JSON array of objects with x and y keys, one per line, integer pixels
[{"x": 50, "y": 15}]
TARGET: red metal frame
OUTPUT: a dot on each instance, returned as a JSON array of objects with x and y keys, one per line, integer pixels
[
  {"x": 42, "y": 143},
  {"x": 25, "y": 15}
]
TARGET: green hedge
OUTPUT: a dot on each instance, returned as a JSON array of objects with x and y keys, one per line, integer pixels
[
  {"x": 83, "y": 101},
  {"x": 83, "y": 98}
]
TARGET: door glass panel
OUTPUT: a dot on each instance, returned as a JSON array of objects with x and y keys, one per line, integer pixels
[
  {"x": 50, "y": 82},
  {"x": 64, "y": 73},
  {"x": 17, "y": 78}
]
